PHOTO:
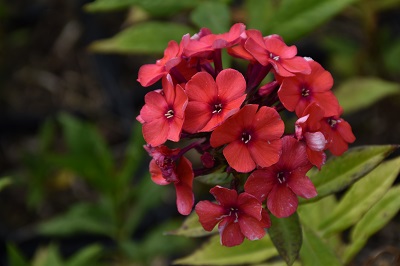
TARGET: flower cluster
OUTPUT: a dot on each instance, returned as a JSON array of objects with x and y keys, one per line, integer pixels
[{"x": 233, "y": 121}]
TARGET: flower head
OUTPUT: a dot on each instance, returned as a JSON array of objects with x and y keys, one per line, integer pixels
[
  {"x": 252, "y": 136},
  {"x": 281, "y": 183},
  {"x": 212, "y": 102},
  {"x": 239, "y": 216},
  {"x": 163, "y": 114},
  {"x": 168, "y": 167}
]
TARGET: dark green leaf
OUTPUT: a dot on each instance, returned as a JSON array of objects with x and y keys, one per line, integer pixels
[
  {"x": 212, "y": 15},
  {"x": 286, "y": 235},
  {"x": 218, "y": 177},
  {"x": 361, "y": 196},
  {"x": 259, "y": 13},
  {"x": 191, "y": 227},
  {"x": 374, "y": 220},
  {"x": 4, "y": 182},
  {"x": 147, "y": 38},
  {"x": 359, "y": 93},
  {"x": 87, "y": 256},
  {"x": 294, "y": 18},
  {"x": 108, "y": 5},
  {"x": 315, "y": 251},
  {"x": 341, "y": 172},
  {"x": 49, "y": 256},
  {"x": 213, "y": 253},
  {"x": 15, "y": 258}
]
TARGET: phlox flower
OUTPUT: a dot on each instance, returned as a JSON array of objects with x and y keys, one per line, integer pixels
[
  {"x": 212, "y": 102},
  {"x": 281, "y": 183},
  {"x": 162, "y": 115},
  {"x": 272, "y": 50},
  {"x": 252, "y": 136},
  {"x": 151, "y": 73},
  {"x": 297, "y": 92},
  {"x": 307, "y": 129},
  {"x": 168, "y": 167},
  {"x": 239, "y": 216},
  {"x": 338, "y": 134}
]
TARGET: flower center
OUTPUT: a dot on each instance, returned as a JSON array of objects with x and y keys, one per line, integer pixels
[
  {"x": 169, "y": 114},
  {"x": 234, "y": 211},
  {"x": 274, "y": 57},
  {"x": 305, "y": 92},
  {"x": 246, "y": 137},
  {"x": 217, "y": 108},
  {"x": 281, "y": 177},
  {"x": 332, "y": 122}
]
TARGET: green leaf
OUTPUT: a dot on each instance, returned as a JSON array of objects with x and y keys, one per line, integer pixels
[
  {"x": 294, "y": 18},
  {"x": 4, "y": 182},
  {"x": 361, "y": 196},
  {"x": 144, "y": 38},
  {"x": 48, "y": 256},
  {"x": 108, "y": 5},
  {"x": 315, "y": 251},
  {"x": 286, "y": 235},
  {"x": 374, "y": 220},
  {"x": 358, "y": 93},
  {"x": 15, "y": 258},
  {"x": 213, "y": 253},
  {"x": 212, "y": 15},
  {"x": 340, "y": 172},
  {"x": 83, "y": 217},
  {"x": 86, "y": 256},
  {"x": 218, "y": 177},
  {"x": 259, "y": 13},
  {"x": 191, "y": 227}
]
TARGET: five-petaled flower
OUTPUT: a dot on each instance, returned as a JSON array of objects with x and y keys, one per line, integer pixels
[
  {"x": 281, "y": 183},
  {"x": 252, "y": 136},
  {"x": 239, "y": 216},
  {"x": 211, "y": 102},
  {"x": 163, "y": 114}
]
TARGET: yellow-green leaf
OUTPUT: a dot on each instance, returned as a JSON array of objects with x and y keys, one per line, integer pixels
[
  {"x": 191, "y": 227},
  {"x": 361, "y": 196}
]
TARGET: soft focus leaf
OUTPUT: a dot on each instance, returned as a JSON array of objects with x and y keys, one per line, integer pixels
[
  {"x": 286, "y": 235},
  {"x": 144, "y": 38},
  {"x": 86, "y": 256},
  {"x": 340, "y": 172},
  {"x": 49, "y": 256},
  {"x": 315, "y": 252},
  {"x": 259, "y": 13},
  {"x": 4, "y": 182},
  {"x": 216, "y": 178},
  {"x": 83, "y": 217},
  {"x": 15, "y": 258},
  {"x": 191, "y": 227},
  {"x": 359, "y": 93},
  {"x": 361, "y": 196},
  {"x": 108, "y": 5},
  {"x": 374, "y": 220},
  {"x": 294, "y": 18},
  {"x": 213, "y": 15},
  {"x": 213, "y": 253}
]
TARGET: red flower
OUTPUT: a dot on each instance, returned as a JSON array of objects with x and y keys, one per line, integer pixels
[
  {"x": 168, "y": 167},
  {"x": 239, "y": 216},
  {"x": 212, "y": 102},
  {"x": 206, "y": 42},
  {"x": 282, "y": 182},
  {"x": 253, "y": 138},
  {"x": 296, "y": 93},
  {"x": 151, "y": 73},
  {"x": 163, "y": 114},
  {"x": 308, "y": 130},
  {"x": 272, "y": 50},
  {"x": 338, "y": 134}
]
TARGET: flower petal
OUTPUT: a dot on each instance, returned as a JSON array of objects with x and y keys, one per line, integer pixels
[
  {"x": 209, "y": 214},
  {"x": 150, "y": 74},
  {"x": 260, "y": 183},
  {"x": 201, "y": 88},
  {"x": 238, "y": 156},
  {"x": 250, "y": 205},
  {"x": 230, "y": 234},
  {"x": 282, "y": 202},
  {"x": 251, "y": 228},
  {"x": 265, "y": 153},
  {"x": 301, "y": 185},
  {"x": 156, "y": 175},
  {"x": 231, "y": 85},
  {"x": 156, "y": 132},
  {"x": 226, "y": 197}
]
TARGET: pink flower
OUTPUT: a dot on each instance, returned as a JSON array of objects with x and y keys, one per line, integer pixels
[
  {"x": 308, "y": 130},
  {"x": 163, "y": 114},
  {"x": 168, "y": 167},
  {"x": 252, "y": 136},
  {"x": 281, "y": 183},
  {"x": 212, "y": 102},
  {"x": 296, "y": 93},
  {"x": 338, "y": 134},
  {"x": 272, "y": 50},
  {"x": 239, "y": 216},
  {"x": 151, "y": 73}
]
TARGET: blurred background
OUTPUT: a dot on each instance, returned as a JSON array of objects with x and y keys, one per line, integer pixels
[{"x": 74, "y": 187}]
